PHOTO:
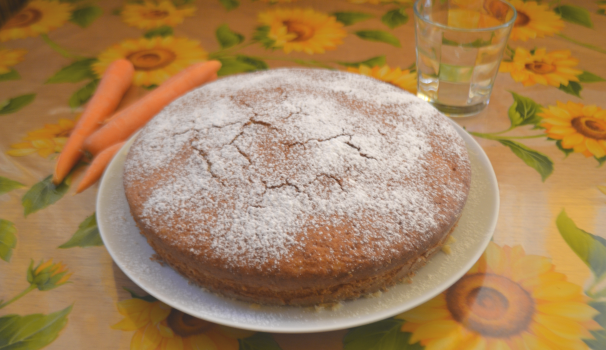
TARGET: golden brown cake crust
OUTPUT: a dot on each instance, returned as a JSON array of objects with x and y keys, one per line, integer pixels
[{"x": 297, "y": 186}]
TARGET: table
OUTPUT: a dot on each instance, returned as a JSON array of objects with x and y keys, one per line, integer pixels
[{"x": 541, "y": 283}]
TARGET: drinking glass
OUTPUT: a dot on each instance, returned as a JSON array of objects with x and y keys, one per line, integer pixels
[{"x": 459, "y": 46}]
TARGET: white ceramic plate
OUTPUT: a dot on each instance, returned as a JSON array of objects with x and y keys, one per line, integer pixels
[{"x": 130, "y": 251}]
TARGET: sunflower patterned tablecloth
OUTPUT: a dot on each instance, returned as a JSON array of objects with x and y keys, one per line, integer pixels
[{"x": 541, "y": 283}]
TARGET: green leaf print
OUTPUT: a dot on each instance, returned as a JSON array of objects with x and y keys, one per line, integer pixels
[
  {"x": 240, "y": 64},
  {"x": 590, "y": 248},
  {"x": 566, "y": 151},
  {"x": 382, "y": 335},
  {"x": 7, "y": 185},
  {"x": 82, "y": 95},
  {"x": 31, "y": 332},
  {"x": 43, "y": 194},
  {"x": 572, "y": 88},
  {"x": 523, "y": 111},
  {"x": 227, "y": 37},
  {"x": 148, "y": 298},
  {"x": 371, "y": 62},
  {"x": 8, "y": 240},
  {"x": 259, "y": 341},
  {"x": 349, "y": 18},
  {"x": 536, "y": 160},
  {"x": 574, "y": 14},
  {"x": 160, "y": 31},
  {"x": 87, "y": 234},
  {"x": 395, "y": 18},
  {"x": 378, "y": 35},
  {"x": 230, "y": 4},
  {"x": 14, "y": 104},
  {"x": 12, "y": 75},
  {"x": 261, "y": 35},
  {"x": 587, "y": 77},
  {"x": 75, "y": 72},
  {"x": 599, "y": 341},
  {"x": 86, "y": 15}
]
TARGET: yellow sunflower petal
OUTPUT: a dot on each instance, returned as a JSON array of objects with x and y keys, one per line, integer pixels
[
  {"x": 135, "y": 342},
  {"x": 133, "y": 306},
  {"x": 201, "y": 342},
  {"x": 555, "y": 340},
  {"x": 423, "y": 315},
  {"x": 174, "y": 343},
  {"x": 562, "y": 130},
  {"x": 562, "y": 326},
  {"x": 495, "y": 259},
  {"x": 595, "y": 148},
  {"x": 151, "y": 337},
  {"x": 571, "y": 140},
  {"x": 557, "y": 291},
  {"x": 474, "y": 343},
  {"x": 572, "y": 310},
  {"x": 434, "y": 329},
  {"x": 530, "y": 266},
  {"x": 533, "y": 342},
  {"x": 159, "y": 312},
  {"x": 580, "y": 148},
  {"x": 497, "y": 344},
  {"x": 547, "y": 122},
  {"x": 165, "y": 331},
  {"x": 222, "y": 341},
  {"x": 21, "y": 152},
  {"x": 446, "y": 341}
]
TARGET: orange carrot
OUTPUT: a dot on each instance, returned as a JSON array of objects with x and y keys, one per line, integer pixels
[
  {"x": 96, "y": 168},
  {"x": 116, "y": 80},
  {"x": 125, "y": 123}
]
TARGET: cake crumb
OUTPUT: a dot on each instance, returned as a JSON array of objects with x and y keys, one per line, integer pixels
[
  {"x": 374, "y": 295},
  {"x": 450, "y": 239},
  {"x": 336, "y": 306},
  {"x": 158, "y": 259},
  {"x": 446, "y": 249}
]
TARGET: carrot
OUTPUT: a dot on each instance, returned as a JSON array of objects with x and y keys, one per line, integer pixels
[
  {"x": 125, "y": 123},
  {"x": 116, "y": 80},
  {"x": 96, "y": 168}
]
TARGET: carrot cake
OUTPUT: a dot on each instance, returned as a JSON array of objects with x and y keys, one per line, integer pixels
[{"x": 297, "y": 186}]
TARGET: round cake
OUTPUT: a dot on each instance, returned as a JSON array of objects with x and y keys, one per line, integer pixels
[{"x": 297, "y": 186}]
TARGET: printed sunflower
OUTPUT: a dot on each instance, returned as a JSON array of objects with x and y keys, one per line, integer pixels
[
  {"x": 150, "y": 15},
  {"x": 37, "y": 17},
  {"x": 554, "y": 68},
  {"x": 508, "y": 300},
  {"x": 155, "y": 59},
  {"x": 534, "y": 21},
  {"x": 9, "y": 57},
  {"x": 160, "y": 327},
  {"x": 300, "y": 30},
  {"x": 403, "y": 79},
  {"x": 580, "y": 128},
  {"x": 45, "y": 141}
]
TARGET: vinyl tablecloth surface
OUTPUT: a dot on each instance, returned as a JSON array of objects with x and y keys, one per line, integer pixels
[{"x": 541, "y": 283}]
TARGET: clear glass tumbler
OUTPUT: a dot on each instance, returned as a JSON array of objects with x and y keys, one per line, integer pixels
[{"x": 460, "y": 44}]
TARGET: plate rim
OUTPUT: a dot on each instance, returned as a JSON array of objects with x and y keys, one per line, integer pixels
[{"x": 340, "y": 324}]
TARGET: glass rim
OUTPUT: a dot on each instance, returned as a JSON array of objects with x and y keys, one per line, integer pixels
[{"x": 472, "y": 30}]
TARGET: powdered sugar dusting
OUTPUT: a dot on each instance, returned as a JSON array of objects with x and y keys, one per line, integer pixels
[{"x": 250, "y": 164}]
